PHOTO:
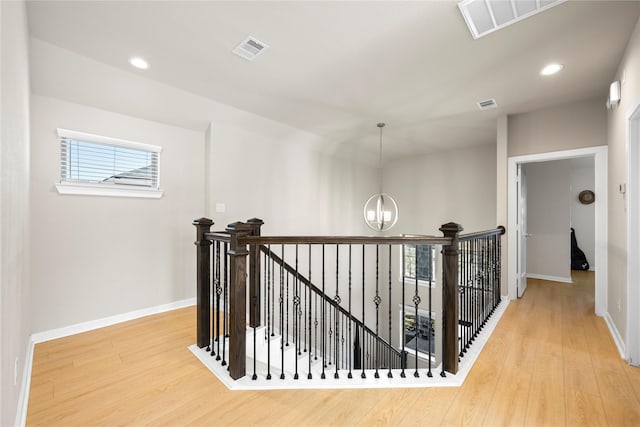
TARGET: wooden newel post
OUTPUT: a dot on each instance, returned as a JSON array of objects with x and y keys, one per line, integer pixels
[
  {"x": 237, "y": 299},
  {"x": 254, "y": 275},
  {"x": 450, "y": 298},
  {"x": 203, "y": 320}
]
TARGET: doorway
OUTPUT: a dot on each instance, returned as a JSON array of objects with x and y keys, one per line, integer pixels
[{"x": 515, "y": 232}]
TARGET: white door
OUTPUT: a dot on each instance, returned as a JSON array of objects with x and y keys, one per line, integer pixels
[{"x": 522, "y": 231}]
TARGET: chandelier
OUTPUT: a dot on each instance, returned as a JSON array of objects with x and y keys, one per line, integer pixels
[{"x": 380, "y": 211}]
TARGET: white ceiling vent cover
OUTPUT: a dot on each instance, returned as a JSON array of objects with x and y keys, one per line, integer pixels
[
  {"x": 486, "y": 16},
  {"x": 250, "y": 48},
  {"x": 487, "y": 104}
]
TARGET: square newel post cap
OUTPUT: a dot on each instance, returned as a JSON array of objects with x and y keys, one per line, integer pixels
[
  {"x": 238, "y": 227},
  {"x": 202, "y": 221},
  {"x": 255, "y": 224},
  {"x": 451, "y": 229}
]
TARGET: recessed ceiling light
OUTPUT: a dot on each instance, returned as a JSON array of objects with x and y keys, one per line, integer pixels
[
  {"x": 551, "y": 69},
  {"x": 138, "y": 62}
]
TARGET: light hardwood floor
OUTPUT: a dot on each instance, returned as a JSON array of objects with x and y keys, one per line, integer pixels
[{"x": 550, "y": 362}]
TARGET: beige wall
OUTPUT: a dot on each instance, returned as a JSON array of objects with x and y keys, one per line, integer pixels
[
  {"x": 458, "y": 186},
  {"x": 274, "y": 173},
  {"x": 93, "y": 256},
  {"x": 616, "y": 120},
  {"x": 14, "y": 205},
  {"x": 548, "y": 219},
  {"x": 566, "y": 127}
]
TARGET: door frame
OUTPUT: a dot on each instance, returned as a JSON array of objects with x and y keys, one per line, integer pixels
[
  {"x": 521, "y": 233},
  {"x": 632, "y": 339},
  {"x": 599, "y": 155}
]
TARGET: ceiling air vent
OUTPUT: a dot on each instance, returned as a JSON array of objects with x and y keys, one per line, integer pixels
[
  {"x": 486, "y": 16},
  {"x": 250, "y": 48},
  {"x": 487, "y": 103}
]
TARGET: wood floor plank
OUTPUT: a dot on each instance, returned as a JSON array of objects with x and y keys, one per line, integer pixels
[{"x": 550, "y": 361}]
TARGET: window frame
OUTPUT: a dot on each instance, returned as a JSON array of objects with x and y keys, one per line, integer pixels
[
  {"x": 421, "y": 282},
  {"x": 401, "y": 336},
  {"x": 72, "y": 187}
]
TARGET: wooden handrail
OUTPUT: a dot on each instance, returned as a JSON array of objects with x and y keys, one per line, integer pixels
[
  {"x": 218, "y": 236},
  {"x": 486, "y": 233},
  {"x": 346, "y": 240}
]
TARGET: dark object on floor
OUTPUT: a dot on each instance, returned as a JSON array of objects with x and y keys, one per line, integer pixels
[{"x": 578, "y": 258}]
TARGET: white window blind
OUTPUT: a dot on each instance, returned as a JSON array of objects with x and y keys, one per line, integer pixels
[{"x": 91, "y": 164}]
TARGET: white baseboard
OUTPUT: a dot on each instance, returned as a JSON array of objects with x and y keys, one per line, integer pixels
[
  {"x": 615, "y": 335},
  {"x": 25, "y": 385},
  {"x": 550, "y": 278},
  {"x": 108, "y": 321}
]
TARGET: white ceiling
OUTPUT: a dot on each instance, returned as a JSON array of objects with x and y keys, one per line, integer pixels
[{"x": 336, "y": 69}]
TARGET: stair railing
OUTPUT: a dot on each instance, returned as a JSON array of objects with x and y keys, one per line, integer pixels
[{"x": 321, "y": 323}]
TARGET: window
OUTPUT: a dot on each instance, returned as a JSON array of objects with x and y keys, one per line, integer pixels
[
  {"x": 418, "y": 331},
  {"x": 97, "y": 165},
  {"x": 419, "y": 262}
]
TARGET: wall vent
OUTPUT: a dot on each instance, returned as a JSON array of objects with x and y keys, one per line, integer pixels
[
  {"x": 487, "y": 104},
  {"x": 250, "y": 48},
  {"x": 486, "y": 16}
]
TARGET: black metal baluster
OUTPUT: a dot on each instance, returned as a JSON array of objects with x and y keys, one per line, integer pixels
[
  {"x": 324, "y": 362},
  {"x": 416, "y": 302},
  {"x": 254, "y": 302},
  {"x": 316, "y": 349},
  {"x": 431, "y": 332},
  {"x": 402, "y": 319},
  {"x": 337, "y": 300},
  {"x": 296, "y": 307},
  {"x": 343, "y": 328},
  {"x": 286, "y": 302},
  {"x": 269, "y": 283},
  {"x": 472, "y": 296},
  {"x": 224, "y": 305},
  {"x": 218, "y": 293},
  {"x": 389, "y": 374},
  {"x": 349, "y": 341},
  {"x": 213, "y": 299},
  {"x": 464, "y": 294},
  {"x": 331, "y": 325},
  {"x": 485, "y": 271},
  {"x": 377, "y": 300},
  {"x": 363, "y": 375},
  {"x": 309, "y": 376},
  {"x": 273, "y": 295},
  {"x": 496, "y": 271},
  {"x": 282, "y": 316},
  {"x": 286, "y": 305},
  {"x": 212, "y": 292},
  {"x": 467, "y": 295},
  {"x": 304, "y": 295}
]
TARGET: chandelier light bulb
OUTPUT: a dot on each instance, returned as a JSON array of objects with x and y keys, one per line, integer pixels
[{"x": 380, "y": 212}]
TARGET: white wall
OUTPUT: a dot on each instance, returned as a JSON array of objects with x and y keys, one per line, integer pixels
[
  {"x": 94, "y": 257},
  {"x": 14, "y": 205},
  {"x": 431, "y": 190},
  {"x": 583, "y": 220},
  {"x": 548, "y": 219},
  {"x": 629, "y": 74}
]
